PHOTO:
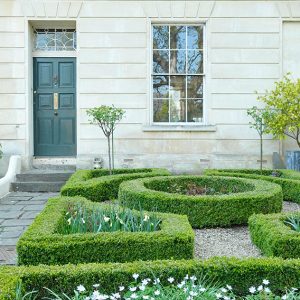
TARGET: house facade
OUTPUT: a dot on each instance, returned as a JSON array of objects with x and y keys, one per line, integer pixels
[{"x": 185, "y": 73}]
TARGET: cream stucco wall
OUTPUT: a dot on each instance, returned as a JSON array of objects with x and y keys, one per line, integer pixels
[{"x": 243, "y": 55}]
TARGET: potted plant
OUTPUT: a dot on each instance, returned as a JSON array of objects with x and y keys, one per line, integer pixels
[
  {"x": 106, "y": 117},
  {"x": 282, "y": 115}
]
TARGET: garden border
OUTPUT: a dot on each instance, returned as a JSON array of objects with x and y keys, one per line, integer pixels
[
  {"x": 208, "y": 210},
  {"x": 273, "y": 237},
  {"x": 281, "y": 273},
  {"x": 98, "y": 185},
  {"x": 290, "y": 184},
  {"x": 41, "y": 245}
]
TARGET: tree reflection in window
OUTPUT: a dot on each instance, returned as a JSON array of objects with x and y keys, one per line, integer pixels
[{"x": 177, "y": 73}]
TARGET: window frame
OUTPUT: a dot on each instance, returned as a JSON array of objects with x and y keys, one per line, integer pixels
[{"x": 173, "y": 22}]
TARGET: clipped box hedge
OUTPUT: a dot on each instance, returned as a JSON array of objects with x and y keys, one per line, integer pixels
[
  {"x": 273, "y": 237},
  {"x": 98, "y": 185},
  {"x": 255, "y": 196},
  {"x": 41, "y": 244},
  {"x": 289, "y": 180},
  {"x": 240, "y": 273}
]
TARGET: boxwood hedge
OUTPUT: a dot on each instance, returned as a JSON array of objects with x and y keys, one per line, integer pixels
[
  {"x": 255, "y": 196},
  {"x": 240, "y": 273},
  {"x": 41, "y": 244},
  {"x": 289, "y": 180},
  {"x": 98, "y": 185},
  {"x": 273, "y": 236}
]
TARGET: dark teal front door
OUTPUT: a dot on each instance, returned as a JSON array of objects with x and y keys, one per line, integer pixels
[{"x": 54, "y": 106}]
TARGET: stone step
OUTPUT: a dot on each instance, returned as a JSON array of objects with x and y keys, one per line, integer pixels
[
  {"x": 54, "y": 163},
  {"x": 37, "y": 186},
  {"x": 43, "y": 177}
]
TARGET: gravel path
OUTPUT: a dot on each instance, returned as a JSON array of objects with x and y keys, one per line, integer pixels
[{"x": 233, "y": 241}]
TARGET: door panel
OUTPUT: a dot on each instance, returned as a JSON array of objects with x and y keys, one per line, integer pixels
[{"x": 55, "y": 106}]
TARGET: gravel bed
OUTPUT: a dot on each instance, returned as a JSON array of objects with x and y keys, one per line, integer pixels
[{"x": 233, "y": 241}]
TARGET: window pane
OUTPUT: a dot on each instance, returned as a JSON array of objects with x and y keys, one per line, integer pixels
[
  {"x": 177, "y": 37},
  {"x": 177, "y": 63},
  {"x": 161, "y": 61},
  {"x": 195, "y": 62},
  {"x": 177, "y": 87},
  {"x": 194, "y": 87},
  {"x": 160, "y": 86},
  {"x": 177, "y": 110},
  {"x": 194, "y": 110},
  {"x": 160, "y": 110},
  {"x": 195, "y": 37},
  {"x": 160, "y": 37}
]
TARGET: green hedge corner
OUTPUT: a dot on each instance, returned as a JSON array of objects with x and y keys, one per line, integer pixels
[
  {"x": 254, "y": 196},
  {"x": 41, "y": 244},
  {"x": 289, "y": 180},
  {"x": 98, "y": 185},
  {"x": 273, "y": 237}
]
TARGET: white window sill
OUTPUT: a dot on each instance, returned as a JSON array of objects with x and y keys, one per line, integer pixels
[{"x": 177, "y": 128}]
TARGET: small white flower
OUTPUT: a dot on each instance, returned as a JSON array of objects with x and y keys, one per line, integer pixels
[
  {"x": 157, "y": 292},
  {"x": 284, "y": 297},
  {"x": 96, "y": 285},
  {"x": 116, "y": 296},
  {"x": 145, "y": 297},
  {"x": 134, "y": 296},
  {"x": 218, "y": 295},
  {"x": 142, "y": 287},
  {"x": 266, "y": 282},
  {"x": 121, "y": 288},
  {"x": 202, "y": 289},
  {"x": 193, "y": 294},
  {"x": 226, "y": 298},
  {"x": 69, "y": 221},
  {"x": 229, "y": 287},
  {"x": 132, "y": 289},
  {"x": 82, "y": 219},
  {"x": 156, "y": 281},
  {"x": 260, "y": 288},
  {"x": 267, "y": 290},
  {"x": 223, "y": 290},
  {"x": 106, "y": 219},
  {"x": 145, "y": 281},
  {"x": 252, "y": 290},
  {"x": 135, "y": 276},
  {"x": 80, "y": 288},
  {"x": 171, "y": 279},
  {"x": 193, "y": 278},
  {"x": 146, "y": 218}
]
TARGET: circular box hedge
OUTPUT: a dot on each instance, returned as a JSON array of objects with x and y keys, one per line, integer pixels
[
  {"x": 289, "y": 180},
  {"x": 245, "y": 197},
  {"x": 98, "y": 185}
]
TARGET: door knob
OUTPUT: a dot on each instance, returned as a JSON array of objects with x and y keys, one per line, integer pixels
[{"x": 55, "y": 113}]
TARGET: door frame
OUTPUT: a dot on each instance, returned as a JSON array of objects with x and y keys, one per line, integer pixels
[
  {"x": 34, "y": 78},
  {"x": 28, "y": 59}
]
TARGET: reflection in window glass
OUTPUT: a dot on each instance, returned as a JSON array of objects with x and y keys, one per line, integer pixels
[
  {"x": 178, "y": 37},
  {"x": 160, "y": 37},
  {"x": 160, "y": 110},
  {"x": 178, "y": 73}
]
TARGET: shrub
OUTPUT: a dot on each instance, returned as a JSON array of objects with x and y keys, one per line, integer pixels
[
  {"x": 289, "y": 180},
  {"x": 253, "y": 196},
  {"x": 239, "y": 273},
  {"x": 98, "y": 185},
  {"x": 42, "y": 244},
  {"x": 273, "y": 236}
]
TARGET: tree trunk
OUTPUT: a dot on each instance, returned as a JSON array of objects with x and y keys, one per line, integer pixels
[
  {"x": 109, "y": 154},
  {"x": 261, "y": 154},
  {"x": 112, "y": 150}
]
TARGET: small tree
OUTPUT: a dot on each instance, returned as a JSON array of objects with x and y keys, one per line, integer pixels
[
  {"x": 282, "y": 111},
  {"x": 107, "y": 117},
  {"x": 1, "y": 152},
  {"x": 258, "y": 123}
]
